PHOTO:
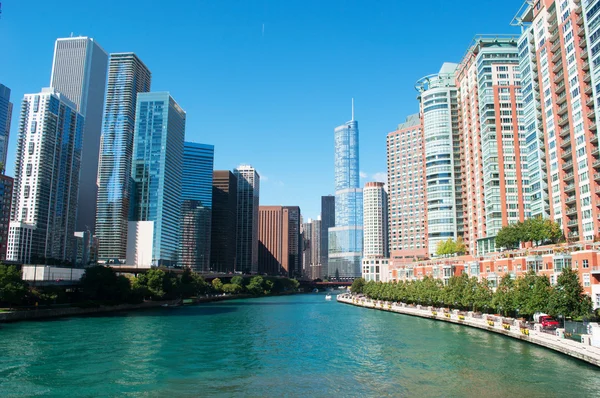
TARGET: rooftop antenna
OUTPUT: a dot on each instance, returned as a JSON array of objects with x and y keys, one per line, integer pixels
[
  {"x": 71, "y": 34},
  {"x": 352, "y": 109}
]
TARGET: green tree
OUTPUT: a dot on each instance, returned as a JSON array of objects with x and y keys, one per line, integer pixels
[
  {"x": 238, "y": 280},
  {"x": 217, "y": 285},
  {"x": 12, "y": 287},
  {"x": 508, "y": 237},
  {"x": 102, "y": 283},
  {"x": 568, "y": 298},
  {"x": 358, "y": 285},
  {"x": 504, "y": 299},
  {"x": 232, "y": 288},
  {"x": 255, "y": 286}
]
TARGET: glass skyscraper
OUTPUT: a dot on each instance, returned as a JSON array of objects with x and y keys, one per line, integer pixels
[
  {"x": 156, "y": 171},
  {"x": 127, "y": 76},
  {"x": 79, "y": 72},
  {"x": 5, "y": 117},
  {"x": 346, "y": 238},
  {"x": 196, "y": 196},
  {"x": 248, "y": 191}
]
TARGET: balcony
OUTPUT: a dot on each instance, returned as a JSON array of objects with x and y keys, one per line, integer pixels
[
  {"x": 595, "y": 152},
  {"x": 571, "y": 210},
  {"x": 585, "y": 66},
  {"x": 591, "y": 114},
  {"x": 566, "y": 154},
  {"x": 588, "y": 89},
  {"x": 562, "y": 110},
  {"x": 571, "y": 199},
  {"x": 584, "y": 55},
  {"x": 580, "y": 20},
  {"x": 590, "y": 102},
  {"x": 595, "y": 270},
  {"x": 564, "y": 133},
  {"x": 581, "y": 32},
  {"x": 570, "y": 188},
  {"x": 582, "y": 43},
  {"x": 569, "y": 176},
  {"x": 593, "y": 127},
  {"x": 596, "y": 177},
  {"x": 566, "y": 143},
  {"x": 586, "y": 77},
  {"x": 561, "y": 98},
  {"x": 594, "y": 139},
  {"x": 567, "y": 165},
  {"x": 555, "y": 47},
  {"x": 554, "y": 35},
  {"x": 573, "y": 223},
  {"x": 596, "y": 164},
  {"x": 560, "y": 87},
  {"x": 563, "y": 120}
]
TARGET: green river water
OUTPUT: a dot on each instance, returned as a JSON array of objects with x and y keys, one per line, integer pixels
[{"x": 291, "y": 346}]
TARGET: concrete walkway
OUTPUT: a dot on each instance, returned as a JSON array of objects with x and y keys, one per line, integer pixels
[{"x": 506, "y": 326}]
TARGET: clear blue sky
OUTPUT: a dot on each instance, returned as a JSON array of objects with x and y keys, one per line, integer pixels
[{"x": 264, "y": 81}]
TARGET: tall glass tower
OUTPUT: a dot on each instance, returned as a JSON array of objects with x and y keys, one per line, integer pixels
[
  {"x": 79, "y": 72},
  {"x": 196, "y": 211},
  {"x": 127, "y": 76},
  {"x": 156, "y": 171},
  {"x": 248, "y": 194},
  {"x": 346, "y": 238},
  {"x": 5, "y": 118}
]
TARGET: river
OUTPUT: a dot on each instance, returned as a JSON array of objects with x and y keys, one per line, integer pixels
[{"x": 290, "y": 346}]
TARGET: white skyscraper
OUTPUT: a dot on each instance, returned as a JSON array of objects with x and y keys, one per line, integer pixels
[
  {"x": 248, "y": 192},
  {"x": 79, "y": 72},
  {"x": 46, "y": 183},
  {"x": 375, "y": 210}
]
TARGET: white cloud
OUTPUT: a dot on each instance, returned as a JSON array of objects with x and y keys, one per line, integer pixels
[
  {"x": 363, "y": 175},
  {"x": 380, "y": 176}
]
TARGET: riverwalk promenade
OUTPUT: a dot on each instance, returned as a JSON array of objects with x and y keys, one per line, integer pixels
[{"x": 505, "y": 326}]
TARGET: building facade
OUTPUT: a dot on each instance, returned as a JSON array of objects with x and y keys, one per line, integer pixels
[
  {"x": 406, "y": 187},
  {"x": 127, "y": 76},
  {"x": 248, "y": 193},
  {"x": 196, "y": 196},
  {"x": 6, "y": 108},
  {"x": 314, "y": 269},
  {"x": 438, "y": 100},
  {"x": 224, "y": 222},
  {"x": 79, "y": 72},
  {"x": 375, "y": 211},
  {"x": 45, "y": 191},
  {"x": 345, "y": 244},
  {"x": 327, "y": 221},
  {"x": 6, "y": 191},
  {"x": 279, "y": 237},
  {"x": 158, "y": 149},
  {"x": 491, "y": 122}
]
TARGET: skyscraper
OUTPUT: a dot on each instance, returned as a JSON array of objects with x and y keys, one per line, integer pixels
[
  {"x": 46, "y": 183},
  {"x": 315, "y": 267},
  {"x": 127, "y": 77},
  {"x": 279, "y": 233},
  {"x": 345, "y": 239},
  {"x": 79, "y": 72},
  {"x": 5, "y": 118},
  {"x": 196, "y": 196},
  {"x": 490, "y": 107},
  {"x": 375, "y": 209},
  {"x": 438, "y": 97},
  {"x": 248, "y": 191},
  {"x": 224, "y": 222},
  {"x": 327, "y": 221},
  {"x": 6, "y": 191},
  {"x": 156, "y": 171},
  {"x": 406, "y": 184}
]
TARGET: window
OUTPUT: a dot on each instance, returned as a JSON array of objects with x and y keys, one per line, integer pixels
[
  {"x": 31, "y": 148},
  {"x": 586, "y": 280},
  {"x": 585, "y": 264},
  {"x": 28, "y": 170}
]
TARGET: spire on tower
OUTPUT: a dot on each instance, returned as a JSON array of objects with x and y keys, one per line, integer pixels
[{"x": 352, "y": 109}]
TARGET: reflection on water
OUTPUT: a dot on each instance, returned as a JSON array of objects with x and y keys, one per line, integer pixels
[{"x": 295, "y": 346}]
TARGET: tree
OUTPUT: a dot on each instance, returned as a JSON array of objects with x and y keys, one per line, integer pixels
[
  {"x": 358, "y": 285},
  {"x": 504, "y": 298},
  {"x": 103, "y": 283},
  {"x": 217, "y": 285},
  {"x": 12, "y": 287},
  {"x": 567, "y": 297},
  {"x": 232, "y": 288},
  {"x": 238, "y": 280},
  {"x": 255, "y": 286},
  {"x": 508, "y": 237},
  {"x": 450, "y": 247}
]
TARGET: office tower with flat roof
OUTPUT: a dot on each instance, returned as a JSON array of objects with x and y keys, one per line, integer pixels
[
  {"x": 315, "y": 267},
  {"x": 327, "y": 221},
  {"x": 6, "y": 191},
  {"x": 406, "y": 191},
  {"x": 375, "y": 217},
  {"x": 127, "y": 76},
  {"x": 278, "y": 240},
  {"x": 307, "y": 235},
  {"x": 224, "y": 222},
  {"x": 196, "y": 196},
  {"x": 345, "y": 244},
  {"x": 45, "y": 190},
  {"x": 6, "y": 108},
  {"x": 438, "y": 101},
  {"x": 158, "y": 151},
  {"x": 248, "y": 192},
  {"x": 79, "y": 72},
  {"x": 491, "y": 123}
]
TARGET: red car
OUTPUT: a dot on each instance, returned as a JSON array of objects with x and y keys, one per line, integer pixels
[{"x": 548, "y": 322}]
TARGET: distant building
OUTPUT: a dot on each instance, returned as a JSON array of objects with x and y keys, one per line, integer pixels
[
  {"x": 127, "y": 76},
  {"x": 279, "y": 240},
  {"x": 307, "y": 246},
  {"x": 46, "y": 184},
  {"x": 327, "y": 221},
  {"x": 6, "y": 108},
  {"x": 6, "y": 192},
  {"x": 376, "y": 269},
  {"x": 196, "y": 196},
  {"x": 375, "y": 210},
  {"x": 82, "y": 248},
  {"x": 345, "y": 244},
  {"x": 156, "y": 172},
  {"x": 79, "y": 72},
  {"x": 248, "y": 191},
  {"x": 224, "y": 222},
  {"x": 315, "y": 267}
]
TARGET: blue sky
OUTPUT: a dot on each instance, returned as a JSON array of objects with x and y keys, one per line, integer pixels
[{"x": 264, "y": 81}]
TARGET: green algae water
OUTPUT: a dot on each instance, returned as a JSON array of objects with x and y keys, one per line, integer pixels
[{"x": 291, "y": 346}]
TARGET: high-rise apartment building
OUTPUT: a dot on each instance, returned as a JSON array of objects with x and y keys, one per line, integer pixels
[
  {"x": 307, "y": 234},
  {"x": 438, "y": 101},
  {"x": 375, "y": 218},
  {"x": 315, "y": 267},
  {"x": 248, "y": 192},
  {"x": 6, "y": 108},
  {"x": 79, "y": 72},
  {"x": 406, "y": 187},
  {"x": 196, "y": 197},
  {"x": 45, "y": 191},
  {"x": 224, "y": 222},
  {"x": 127, "y": 76},
  {"x": 493, "y": 139},
  {"x": 279, "y": 237},
  {"x": 158, "y": 151},
  {"x": 327, "y": 221},
  {"x": 6, "y": 191},
  {"x": 345, "y": 244}
]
